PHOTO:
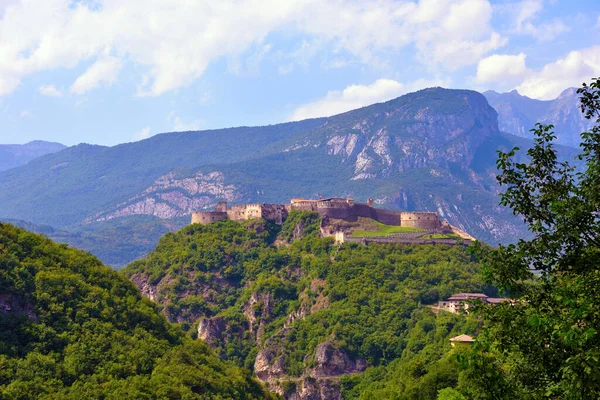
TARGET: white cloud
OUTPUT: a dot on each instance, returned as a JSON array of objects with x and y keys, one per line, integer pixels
[
  {"x": 171, "y": 46},
  {"x": 180, "y": 126},
  {"x": 577, "y": 67},
  {"x": 356, "y": 96},
  {"x": 598, "y": 22},
  {"x": 25, "y": 114},
  {"x": 50, "y": 90},
  {"x": 526, "y": 13},
  {"x": 105, "y": 70},
  {"x": 144, "y": 133},
  {"x": 504, "y": 69}
]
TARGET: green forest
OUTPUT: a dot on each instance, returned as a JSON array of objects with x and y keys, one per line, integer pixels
[{"x": 71, "y": 328}]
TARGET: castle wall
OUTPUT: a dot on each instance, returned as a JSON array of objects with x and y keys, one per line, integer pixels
[
  {"x": 274, "y": 212},
  {"x": 337, "y": 208},
  {"x": 207, "y": 217},
  {"x": 364, "y": 210},
  {"x": 388, "y": 217},
  {"x": 424, "y": 220},
  {"x": 237, "y": 212}
]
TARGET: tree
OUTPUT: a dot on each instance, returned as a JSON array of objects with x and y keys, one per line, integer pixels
[{"x": 546, "y": 343}]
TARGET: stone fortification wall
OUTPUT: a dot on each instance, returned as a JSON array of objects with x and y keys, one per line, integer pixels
[
  {"x": 366, "y": 211},
  {"x": 274, "y": 212},
  {"x": 424, "y": 220},
  {"x": 243, "y": 212},
  {"x": 388, "y": 217},
  {"x": 208, "y": 217},
  {"x": 336, "y": 208}
]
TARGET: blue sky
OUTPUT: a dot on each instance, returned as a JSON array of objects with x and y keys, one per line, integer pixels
[{"x": 114, "y": 71}]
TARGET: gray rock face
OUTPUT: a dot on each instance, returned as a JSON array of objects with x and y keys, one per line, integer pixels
[
  {"x": 173, "y": 196},
  {"x": 11, "y": 304},
  {"x": 211, "y": 329},
  {"x": 332, "y": 361},
  {"x": 411, "y": 133}
]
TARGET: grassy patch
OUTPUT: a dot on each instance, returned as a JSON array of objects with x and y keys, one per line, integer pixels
[{"x": 380, "y": 229}]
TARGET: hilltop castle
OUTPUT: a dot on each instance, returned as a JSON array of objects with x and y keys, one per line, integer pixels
[{"x": 338, "y": 208}]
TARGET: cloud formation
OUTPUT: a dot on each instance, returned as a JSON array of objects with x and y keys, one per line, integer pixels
[
  {"x": 571, "y": 71},
  {"x": 526, "y": 14},
  {"x": 50, "y": 90},
  {"x": 173, "y": 44},
  {"x": 144, "y": 133},
  {"x": 105, "y": 70},
  {"x": 504, "y": 69},
  {"x": 180, "y": 126},
  {"x": 356, "y": 96}
]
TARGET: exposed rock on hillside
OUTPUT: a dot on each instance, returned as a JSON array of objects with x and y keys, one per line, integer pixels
[
  {"x": 16, "y": 304},
  {"x": 174, "y": 196}
]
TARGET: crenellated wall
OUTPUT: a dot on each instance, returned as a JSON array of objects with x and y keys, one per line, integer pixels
[{"x": 336, "y": 208}]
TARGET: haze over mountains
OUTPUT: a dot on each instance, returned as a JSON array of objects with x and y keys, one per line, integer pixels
[
  {"x": 518, "y": 114},
  {"x": 432, "y": 150},
  {"x": 14, "y": 155}
]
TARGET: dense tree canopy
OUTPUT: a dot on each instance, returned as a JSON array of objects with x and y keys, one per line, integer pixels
[
  {"x": 546, "y": 344},
  {"x": 71, "y": 328}
]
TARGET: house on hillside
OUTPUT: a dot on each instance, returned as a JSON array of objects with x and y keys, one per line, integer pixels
[
  {"x": 461, "y": 340},
  {"x": 460, "y": 301}
]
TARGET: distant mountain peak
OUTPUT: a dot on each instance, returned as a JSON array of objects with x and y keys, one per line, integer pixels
[
  {"x": 14, "y": 155},
  {"x": 518, "y": 114},
  {"x": 569, "y": 92}
]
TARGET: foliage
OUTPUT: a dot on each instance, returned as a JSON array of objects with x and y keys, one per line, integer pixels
[
  {"x": 546, "y": 344},
  {"x": 71, "y": 328},
  {"x": 370, "y": 301},
  {"x": 427, "y": 364}
]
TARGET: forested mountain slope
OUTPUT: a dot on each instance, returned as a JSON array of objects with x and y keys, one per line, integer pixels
[
  {"x": 301, "y": 312},
  {"x": 71, "y": 328}
]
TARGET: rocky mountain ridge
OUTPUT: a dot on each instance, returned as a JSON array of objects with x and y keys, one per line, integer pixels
[
  {"x": 432, "y": 150},
  {"x": 517, "y": 114}
]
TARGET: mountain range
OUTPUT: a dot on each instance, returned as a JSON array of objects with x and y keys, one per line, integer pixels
[
  {"x": 518, "y": 114},
  {"x": 14, "y": 155},
  {"x": 432, "y": 150}
]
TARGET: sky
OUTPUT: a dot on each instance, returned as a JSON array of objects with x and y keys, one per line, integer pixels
[{"x": 114, "y": 71}]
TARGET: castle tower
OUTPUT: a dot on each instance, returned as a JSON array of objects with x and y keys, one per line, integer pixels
[{"x": 221, "y": 207}]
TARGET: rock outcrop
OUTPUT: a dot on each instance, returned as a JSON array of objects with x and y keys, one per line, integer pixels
[
  {"x": 173, "y": 195},
  {"x": 15, "y": 304}
]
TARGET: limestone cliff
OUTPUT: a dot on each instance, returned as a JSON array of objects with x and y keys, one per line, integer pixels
[{"x": 173, "y": 195}]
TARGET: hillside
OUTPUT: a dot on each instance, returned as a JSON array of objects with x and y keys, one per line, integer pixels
[
  {"x": 432, "y": 150},
  {"x": 14, "y": 155},
  {"x": 518, "y": 114},
  {"x": 71, "y": 328},
  {"x": 301, "y": 313}
]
